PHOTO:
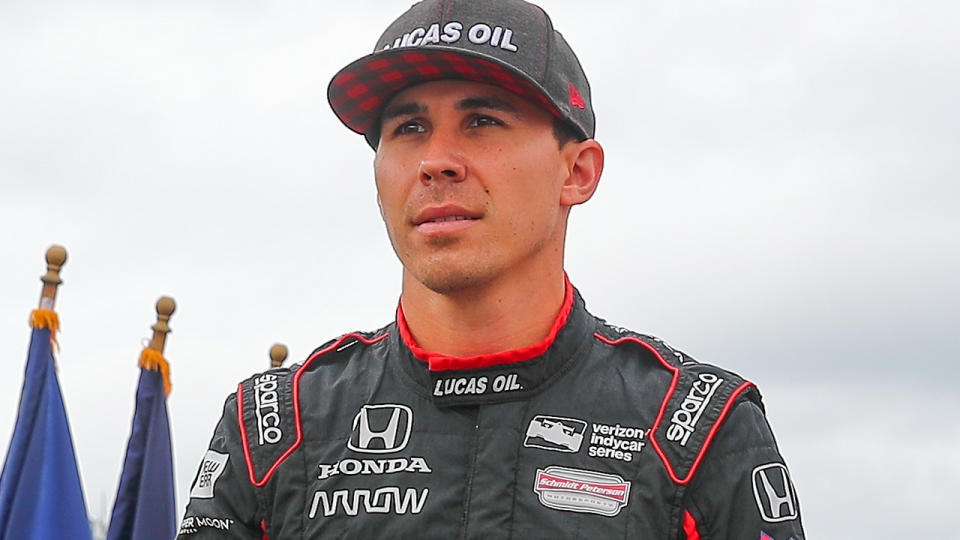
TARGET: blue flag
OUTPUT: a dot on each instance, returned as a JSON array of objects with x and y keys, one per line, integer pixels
[
  {"x": 40, "y": 493},
  {"x": 145, "y": 507}
]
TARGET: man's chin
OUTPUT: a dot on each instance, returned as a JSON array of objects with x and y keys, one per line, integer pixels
[{"x": 450, "y": 281}]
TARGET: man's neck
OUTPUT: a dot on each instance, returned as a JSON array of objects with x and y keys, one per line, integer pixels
[{"x": 493, "y": 318}]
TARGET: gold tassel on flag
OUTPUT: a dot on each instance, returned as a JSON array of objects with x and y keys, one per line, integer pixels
[{"x": 45, "y": 318}]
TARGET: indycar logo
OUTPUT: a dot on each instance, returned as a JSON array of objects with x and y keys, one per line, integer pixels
[
  {"x": 774, "y": 493},
  {"x": 685, "y": 418},
  {"x": 555, "y": 433},
  {"x": 381, "y": 429},
  {"x": 372, "y": 501},
  {"x": 581, "y": 491}
]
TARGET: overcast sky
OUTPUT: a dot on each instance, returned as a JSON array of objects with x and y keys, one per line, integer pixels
[{"x": 780, "y": 197}]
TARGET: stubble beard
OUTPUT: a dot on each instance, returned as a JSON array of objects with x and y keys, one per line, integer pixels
[{"x": 445, "y": 272}]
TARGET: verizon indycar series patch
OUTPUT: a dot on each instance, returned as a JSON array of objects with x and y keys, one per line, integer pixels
[{"x": 555, "y": 433}]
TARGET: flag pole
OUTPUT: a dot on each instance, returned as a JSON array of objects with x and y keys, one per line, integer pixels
[
  {"x": 165, "y": 308},
  {"x": 278, "y": 353},
  {"x": 152, "y": 356},
  {"x": 56, "y": 258},
  {"x": 145, "y": 503},
  {"x": 40, "y": 491}
]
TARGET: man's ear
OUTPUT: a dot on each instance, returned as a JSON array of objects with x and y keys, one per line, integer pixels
[{"x": 584, "y": 165}]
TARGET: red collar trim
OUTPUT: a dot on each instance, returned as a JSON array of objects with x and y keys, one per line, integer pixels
[{"x": 442, "y": 362}]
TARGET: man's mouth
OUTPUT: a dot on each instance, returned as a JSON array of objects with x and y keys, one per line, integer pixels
[
  {"x": 448, "y": 218},
  {"x": 444, "y": 214},
  {"x": 444, "y": 219}
]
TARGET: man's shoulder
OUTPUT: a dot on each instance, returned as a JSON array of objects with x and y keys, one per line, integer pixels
[
  {"x": 615, "y": 335},
  {"x": 699, "y": 398},
  {"x": 673, "y": 358},
  {"x": 340, "y": 349}
]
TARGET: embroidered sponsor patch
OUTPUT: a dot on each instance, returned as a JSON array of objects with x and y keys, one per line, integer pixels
[
  {"x": 193, "y": 524},
  {"x": 577, "y": 490},
  {"x": 351, "y": 467},
  {"x": 353, "y": 502},
  {"x": 613, "y": 441},
  {"x": 555, "y": 433},
  {"x": 684, "y": 420},
  {"x": 452, "y": 32},
  {"x": 774, "y": 493},
  {"x": 267, "y": 410},
  {"x": 211, "y": 468},
  {"x": 381, "y": 429}
]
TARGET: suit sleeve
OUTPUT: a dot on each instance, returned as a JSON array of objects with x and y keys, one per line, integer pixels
[
  {"x": 222, "y": 500},
  {"x": 743, "y": 489}
]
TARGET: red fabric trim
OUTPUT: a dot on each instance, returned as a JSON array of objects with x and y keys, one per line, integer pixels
[
  {"x": 663, "y": 408},
  {"x": 690, "y": 526},
  {"x": 716, "y": 426},
  {"x": 666, "y": 397},
  {"x": 263, "y": 527},
  {"x": 442, "y": 362},
  {"x": 296, "y": 408}
]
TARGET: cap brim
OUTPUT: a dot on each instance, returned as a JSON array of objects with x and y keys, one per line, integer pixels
[{"x": 358, "y": 92}]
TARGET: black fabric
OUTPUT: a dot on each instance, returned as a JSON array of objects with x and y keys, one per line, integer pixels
[
  {"x": 508, "y": 43},
  {"x": 572, "y": 458}
]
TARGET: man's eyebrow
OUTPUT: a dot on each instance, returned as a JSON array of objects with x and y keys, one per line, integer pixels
[
  {"x": 485, "y": 102},
  {"x": 402, "y": 109}
]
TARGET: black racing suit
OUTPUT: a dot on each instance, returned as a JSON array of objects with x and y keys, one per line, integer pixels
[{"x": 597, "y": 432}]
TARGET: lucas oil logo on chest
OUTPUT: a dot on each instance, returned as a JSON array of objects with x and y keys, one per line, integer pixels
[{"x": 476, "y": 385}]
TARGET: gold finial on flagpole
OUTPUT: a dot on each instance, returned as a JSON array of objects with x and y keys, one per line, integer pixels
[
  {"x": 165, "y": 308},
  {"x": 278, "y": 353},
  {"x": 56, "y": 258}
]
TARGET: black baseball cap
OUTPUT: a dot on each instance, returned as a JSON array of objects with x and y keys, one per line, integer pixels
[{"x": 507, "y": 43}]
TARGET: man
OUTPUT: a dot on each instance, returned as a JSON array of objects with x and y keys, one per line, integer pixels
[{"x": 495, "y": 406}]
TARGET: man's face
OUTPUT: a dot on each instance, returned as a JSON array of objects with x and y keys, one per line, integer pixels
[{"x": 469, "y": 181}]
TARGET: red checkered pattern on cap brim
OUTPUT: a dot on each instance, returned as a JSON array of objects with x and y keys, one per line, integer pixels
[{"x": 358, "y": 95}]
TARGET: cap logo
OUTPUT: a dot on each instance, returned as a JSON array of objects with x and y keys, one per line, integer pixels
[
  {"x": 576, "y": 99},
  {"x": 452, "y": 32}
]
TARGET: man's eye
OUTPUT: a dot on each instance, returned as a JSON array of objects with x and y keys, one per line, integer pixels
[
  {"x": 481, "y": 120},
  {"x": 409, "y": 127}
]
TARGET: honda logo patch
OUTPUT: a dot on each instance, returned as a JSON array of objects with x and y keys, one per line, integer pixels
[
  {"x": 774, "y": 492},
  {"x": 381, "y": 429}
]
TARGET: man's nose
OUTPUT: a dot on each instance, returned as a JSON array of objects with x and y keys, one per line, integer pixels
[{"x": 442, "y": 160}]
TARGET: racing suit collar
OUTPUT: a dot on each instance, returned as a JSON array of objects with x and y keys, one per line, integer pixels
[
  {"x": 527, "y": 372},
  {"x": 442, "y": 362}
]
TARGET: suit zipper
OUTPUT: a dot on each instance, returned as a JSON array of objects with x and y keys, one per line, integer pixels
[{"x": 470, "y": 474}]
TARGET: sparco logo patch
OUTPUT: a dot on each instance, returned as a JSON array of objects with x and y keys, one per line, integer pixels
[
  {"x": 774, "y": 492},
  {"x": 352, "y": 467},
  {"x": 581, "y": 491},
  {"x": 555, "y": 433},
  {"x": 371, "y": 501},
  {"x": 268, "y": 410},
  {"x": 684, "y": 419},
  {"x": 211, "y": 468},
  {"x": 381, "y": 429},
  {"x": 452, "y": 32}
]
